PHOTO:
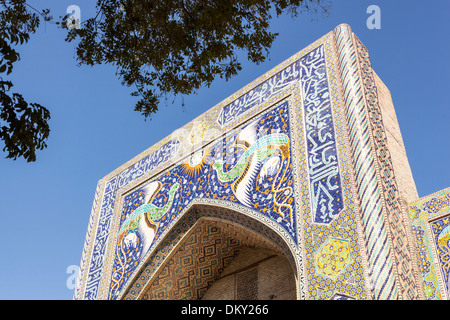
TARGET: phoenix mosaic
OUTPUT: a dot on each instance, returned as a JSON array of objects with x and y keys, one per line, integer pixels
[
  {"x": 251, "y": 166},
  {"x": 298, "y": 163}
]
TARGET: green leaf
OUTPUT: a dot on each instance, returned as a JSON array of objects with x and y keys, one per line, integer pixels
[{"x": 166, "y": 48}]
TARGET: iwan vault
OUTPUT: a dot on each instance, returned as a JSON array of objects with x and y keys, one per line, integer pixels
[{"x": 295, "y": 187}]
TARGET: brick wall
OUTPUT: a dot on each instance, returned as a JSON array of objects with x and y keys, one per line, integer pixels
[{"x": 255, "y": 274}]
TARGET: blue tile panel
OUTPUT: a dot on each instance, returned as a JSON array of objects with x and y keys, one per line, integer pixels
[
  {"x": 322, "y": 159},
  {"x": 261, "y": 93},
  {"x": 251, "y": 166},
  {"x": 107, "y": 207}
]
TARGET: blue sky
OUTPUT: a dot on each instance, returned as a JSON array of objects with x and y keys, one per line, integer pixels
[{"x": 45, "y": 206}]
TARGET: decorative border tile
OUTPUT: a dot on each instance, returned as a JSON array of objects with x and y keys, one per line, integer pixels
[
  {"x": 103, "y": 228},
  {"x": 393, "y": 209},
  {"x": 211, "y": 114},
  {"x": 425, "y": 213},
  {"x": 261, "y": 93},
  {"x": 323, "y": 167},
  {"x": 197, "y": 186},
  {"x": 334, "y": 124},
  {"x": 352, "y": 280},
  {"x": 375, "y": 231},
  {"x": 89, "y": 241},
  {"x": 207, "y": 209}
]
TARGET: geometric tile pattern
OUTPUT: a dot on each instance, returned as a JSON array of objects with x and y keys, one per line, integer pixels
[
  {"x": 376, "y": 236},
  {"x": 352, "y": 280},
  {"x": 200, "y": 246},
  {"x": 430, "y": 220},
  {"x": 387, "y": 238},
  {"x": 296, "y": 162},
  {"x": 333, "y": 257},
  {"x": 197, "y": 263},
  {"x": 400, "y": 239},
  {"x": 250, "y": 166}
]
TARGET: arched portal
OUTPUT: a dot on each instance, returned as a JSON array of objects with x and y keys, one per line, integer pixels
[
  {"x": 211, "y": 250},
  {"x": 255, "y": 274},
  {"x": 298, "y": 164}
]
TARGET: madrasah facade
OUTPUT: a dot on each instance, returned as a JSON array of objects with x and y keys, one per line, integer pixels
[{"x": 295, "y": 187}]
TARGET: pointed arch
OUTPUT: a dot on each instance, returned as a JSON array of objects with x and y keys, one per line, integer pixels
[{"x": 200, "y": 245}]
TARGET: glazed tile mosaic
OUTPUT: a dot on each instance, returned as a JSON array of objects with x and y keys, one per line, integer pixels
[
  {"x": 260, "y": 94},
  {"x": 388, "y": 243},
  {"x": 324, "y": 177},
  {"x": 251, "y": 166},
  {"x": 237, "y": 228},
  {"x": 209, "y": 247},
  {"x": 297, "y": 162},
  {"x": 329, "y": 272},
  {"x": 400, "y": 238},
  {"x": 430, "y": 221},
  {"x": 103, "y": 230}
]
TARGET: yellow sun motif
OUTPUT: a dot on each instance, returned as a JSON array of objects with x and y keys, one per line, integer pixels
[{"x": 195, "y": 164}]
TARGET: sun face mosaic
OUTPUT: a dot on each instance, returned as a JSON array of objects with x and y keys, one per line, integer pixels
[
  {"x": 250, "y": 166},
  {"x": 297, "y": 161}
]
